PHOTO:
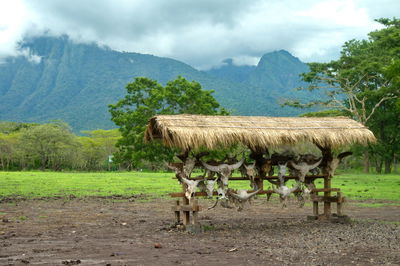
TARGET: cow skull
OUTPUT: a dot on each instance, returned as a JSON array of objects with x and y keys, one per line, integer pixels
[
  {"x": 303, "y": 168},
  {"x": 240, "y": 197},
  {"x": 189, "y": 166},
  {"x": 242, "y": 194},
  {"x": 210, "y": 187},
  {"x": 282, "y": 169},
  {"x": 251, "y": 175},
  {"x": 225, "y": 170},
  {"x": 191, "y": 186},
  {"x": 221, "y": 193},
  {"x": 283, "y": 190}
]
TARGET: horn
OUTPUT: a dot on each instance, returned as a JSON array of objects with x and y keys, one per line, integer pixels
[
  {"x": 246, "y": 197},
  {"x": 295, "y": 166},
  {"x": 251, "y": 194},
  {"x": 294, "y": 188},
  {"x": 316, "y": 164},
  {"x": 211, "y": 167},
  {"x": 236, "y": 165},
  {"x": 209, "y": 208},
  {"x": 186, "y": 181},
  {"x": 344, "y": 154},
  {"x": 275, "y": 189}
]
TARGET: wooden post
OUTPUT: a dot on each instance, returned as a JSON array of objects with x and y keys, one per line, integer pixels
[
  {"x": 315, "y": 205},
  {"x": 339, "y": 204},
  {"x": 195, "y": 213},
  {"x": 260, "y": 183},
  {"x": 327, "y": 204},
  {"x": 177, "y": 214},
  {"x": 185, "y": 201}
]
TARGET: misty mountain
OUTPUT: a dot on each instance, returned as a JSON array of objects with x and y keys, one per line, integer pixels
[
  {"x": 63, "y": 80},
  {"x": 276, "y": 74}
]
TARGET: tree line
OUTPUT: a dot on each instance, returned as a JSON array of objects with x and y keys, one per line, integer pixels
[
  {"x": 364, "y": 84},
  {"x": 53, "y": 146}
]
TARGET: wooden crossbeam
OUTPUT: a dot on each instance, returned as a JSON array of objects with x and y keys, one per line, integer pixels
[
  {"x": 187, "y": 208},
  {"x": 328, "y": 199},
  {"x": 181, "y": 194},
  {"x": 263, "y": 178}
]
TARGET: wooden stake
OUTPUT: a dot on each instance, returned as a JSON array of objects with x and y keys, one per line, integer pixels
[
  {"x": 177, "y": 214},
  {"x": 186, "y": 214},
  {"x": 339, "y": 204},
  {"x": 195, "y": 213},
  {"x": 327, "y": 204},
  {"x": 315, "y": 206}
]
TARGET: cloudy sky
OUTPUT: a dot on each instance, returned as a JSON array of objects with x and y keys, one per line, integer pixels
[{"x": 199, "y": 32}]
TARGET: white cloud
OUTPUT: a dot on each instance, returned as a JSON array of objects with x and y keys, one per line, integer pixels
[
  {"x": 200, "y": 33},
  {"x": 31, "y": 57}
]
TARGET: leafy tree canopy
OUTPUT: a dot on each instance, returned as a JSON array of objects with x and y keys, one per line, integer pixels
[
  {"x": 364, "y": 84},
  {"x": 146, "y": 98}
]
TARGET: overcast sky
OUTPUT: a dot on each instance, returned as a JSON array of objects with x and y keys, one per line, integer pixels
[{"x": 199, "y": 32}]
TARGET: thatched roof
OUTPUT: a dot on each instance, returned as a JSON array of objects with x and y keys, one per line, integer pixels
[{"x": 194, "y": 131}]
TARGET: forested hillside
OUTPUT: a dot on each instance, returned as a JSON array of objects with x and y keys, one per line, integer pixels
[{"x": 76, "y": 82}]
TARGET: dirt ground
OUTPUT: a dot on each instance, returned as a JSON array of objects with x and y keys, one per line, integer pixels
[{"x": 98, "y": 231}]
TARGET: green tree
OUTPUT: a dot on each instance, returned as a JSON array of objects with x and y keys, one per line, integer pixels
[
  {"x": 97, "y": 147},
  {"x": 362, "y": 84},
  {"x": 146, "y": 98},
  {"x": 49, "y": 145}
]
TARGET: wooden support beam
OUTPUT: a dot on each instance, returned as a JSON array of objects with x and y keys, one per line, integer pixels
[
  {"x": 315, "y": 208},
  {"x": 313, "y": 177},
  {"x": 186, "y": 208},
  {"x": 326, "y": 199},
  {"x": 177, "y": 213},
  {"x": 195, "y": 212},
  {"x": 199, "y": 194},
  {"x": 339, "y": 203},
  {"x": 186, "y": 213},
  {"x": 327, "y": 195}
]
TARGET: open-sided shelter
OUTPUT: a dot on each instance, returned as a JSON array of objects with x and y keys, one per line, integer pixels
[{"x": 260, "y": 134}]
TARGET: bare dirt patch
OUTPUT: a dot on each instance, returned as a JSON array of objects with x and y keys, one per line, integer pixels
[{"x": 99, "y": 231}]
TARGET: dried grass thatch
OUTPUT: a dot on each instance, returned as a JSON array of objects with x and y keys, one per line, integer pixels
[{"x": 194, "y": 131}]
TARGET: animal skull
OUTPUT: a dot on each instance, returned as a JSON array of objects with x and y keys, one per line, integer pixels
[
  {"x": 266, "y": 168},
  {"x": 240, "y": 197},
  {"x": 221, "y": 193},
  {"x": 225, "y": 170},
  {"x": 251, "y": 174},
  {"x": 282, "y": 169},
  {"x": 284, "y": 192},
  {"x": 191, "y": 186},
  {"x": 210, "y": 187},
  {"x": 189, "y": 166},
  {"x": 242, "y": 194},
  {"x": 303, "y": 168}
]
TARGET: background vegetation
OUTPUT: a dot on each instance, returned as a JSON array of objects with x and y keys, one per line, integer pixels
[
  {"x": 53, "y": 146},
  {"x": 364, "y": 85}
]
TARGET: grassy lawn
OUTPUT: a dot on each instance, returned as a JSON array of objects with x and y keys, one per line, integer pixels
[{"x": 355, "y": 186}]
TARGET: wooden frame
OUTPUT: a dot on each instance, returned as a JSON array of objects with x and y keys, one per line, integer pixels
[{"x": 192, "y": 210}]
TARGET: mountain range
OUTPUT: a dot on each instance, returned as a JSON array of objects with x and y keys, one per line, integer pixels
[{"x": 75, "y": 82}]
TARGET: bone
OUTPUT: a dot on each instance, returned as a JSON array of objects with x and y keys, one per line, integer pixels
[
  {"x": 250, "y": 173},
  {"x": 221, "y": 167},
  {"x": 303, "y": 168}
]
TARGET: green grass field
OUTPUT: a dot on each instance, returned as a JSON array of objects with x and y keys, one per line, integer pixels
[{"x": 55, "y": 184}]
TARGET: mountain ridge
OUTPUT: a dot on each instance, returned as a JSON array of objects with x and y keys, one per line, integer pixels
[{"x": 76, "y": 82}]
